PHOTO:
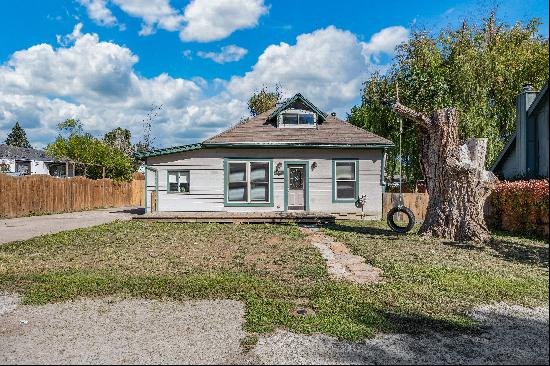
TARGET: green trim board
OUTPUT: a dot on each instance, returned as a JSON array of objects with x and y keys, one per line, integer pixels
[
  {"x": 226, "y": 203},
  {"x": 239, "y": 145},
  {"x": 346, "y": 200},
  {"x": 168, "y": 180},
  {"x": 169, "y": 150},
  {"x": 305, "y": 163}
]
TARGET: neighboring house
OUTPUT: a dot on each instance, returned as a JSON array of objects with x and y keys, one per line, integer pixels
[
  {"x": 26, "y": 161},
  {"x": 291, "y": 158},
  {"x": 526, "y": 152}
]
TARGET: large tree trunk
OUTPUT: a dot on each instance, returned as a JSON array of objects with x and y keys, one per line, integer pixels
[{"x": 456, "y": 179}]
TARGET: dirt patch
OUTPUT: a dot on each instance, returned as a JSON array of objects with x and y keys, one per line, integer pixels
[
  {"x": 510, "y": 335},
  {"x": 122, "y": 332}
]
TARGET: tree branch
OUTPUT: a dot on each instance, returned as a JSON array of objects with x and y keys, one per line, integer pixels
[
  {"x": 411, "y": 114},
  {"x": 407, "y": 112}
]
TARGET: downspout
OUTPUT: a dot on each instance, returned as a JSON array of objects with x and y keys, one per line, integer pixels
[
  {"x": 156, "y": 187},
  {"x": 382, "y": 180}
]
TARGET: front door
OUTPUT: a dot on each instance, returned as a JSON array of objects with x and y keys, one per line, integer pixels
[{"x": 296, "y": 187}]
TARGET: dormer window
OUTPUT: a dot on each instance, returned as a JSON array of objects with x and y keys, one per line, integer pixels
[{"x": 297, "y": 118}]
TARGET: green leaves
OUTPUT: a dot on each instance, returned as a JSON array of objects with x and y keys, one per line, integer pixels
[
  {"x": 91, "y": 153},
  {"x": 478, "y": 69}
]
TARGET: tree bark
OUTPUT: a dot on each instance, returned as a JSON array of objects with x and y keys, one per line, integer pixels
[{"x": 457, "y": 182}]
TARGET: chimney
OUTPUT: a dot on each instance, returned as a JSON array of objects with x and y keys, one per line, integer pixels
[{"x": 523, "y": 102}]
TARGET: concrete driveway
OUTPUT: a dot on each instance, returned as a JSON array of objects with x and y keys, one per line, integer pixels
[{"x": 23, "y": 228}]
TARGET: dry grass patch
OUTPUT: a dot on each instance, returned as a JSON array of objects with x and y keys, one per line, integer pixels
[{"x": 142, "y": 248}]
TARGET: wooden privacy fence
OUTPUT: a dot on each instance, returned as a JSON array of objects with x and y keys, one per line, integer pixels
[
  {"x": 416, "y": 202},
  {"x": 22, "y": 196}
]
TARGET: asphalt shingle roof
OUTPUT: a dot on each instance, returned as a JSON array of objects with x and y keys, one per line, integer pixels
[
  {"x": 331, "y": 131},
  {"x": 23, "y": 153}
]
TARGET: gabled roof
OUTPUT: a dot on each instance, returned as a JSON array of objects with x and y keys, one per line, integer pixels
[
  {"x": 541, "y": 96},
  {"x": 262, "y": 131},
  {"x": 298, "y": 97},
  {"x": 23, "y": 153}
]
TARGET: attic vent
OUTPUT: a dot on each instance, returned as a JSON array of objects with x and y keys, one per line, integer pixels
[{"x": 333, "y": 114}]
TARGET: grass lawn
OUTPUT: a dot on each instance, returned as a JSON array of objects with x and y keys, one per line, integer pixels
[{"x": 271, "y": 268}]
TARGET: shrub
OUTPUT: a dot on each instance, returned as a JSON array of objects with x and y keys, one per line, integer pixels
[{"x": 521, "y": 206}]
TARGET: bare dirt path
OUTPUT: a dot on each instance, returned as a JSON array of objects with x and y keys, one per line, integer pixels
[{"x": 23, "y": 228}]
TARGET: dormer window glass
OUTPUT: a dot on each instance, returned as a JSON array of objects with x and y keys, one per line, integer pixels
[{"x": 297, "y": 118}]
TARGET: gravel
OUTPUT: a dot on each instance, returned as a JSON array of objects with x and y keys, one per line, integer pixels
[
  {"x": 122, "y": 332},
  {"x": 209, "y": 332},
  {"x": 511, "y": 335}
]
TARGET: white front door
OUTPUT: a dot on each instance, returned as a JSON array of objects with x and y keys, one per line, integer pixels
[{"x": 296, "y": 187}]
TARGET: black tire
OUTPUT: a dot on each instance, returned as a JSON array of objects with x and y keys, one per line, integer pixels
[{"x": 397, "y": 228}]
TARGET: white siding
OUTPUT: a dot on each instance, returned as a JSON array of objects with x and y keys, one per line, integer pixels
[
  {"x": 207, "y": 178},
  {"x": 37, "y": 166}
]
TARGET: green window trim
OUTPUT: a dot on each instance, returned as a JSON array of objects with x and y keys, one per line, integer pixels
[
  {"x": 305, "y": 163},
  {"x": 178, "y": 171},
  {"x": 334, "y": 191},
  {"x": 227, "y": 203}
]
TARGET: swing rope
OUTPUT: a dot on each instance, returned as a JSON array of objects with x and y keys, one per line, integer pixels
[{"x": 401, "y": 202}]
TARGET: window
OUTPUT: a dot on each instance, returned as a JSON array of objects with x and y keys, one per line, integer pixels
[
  {"x": 297, "y": 118},
  {"x": 345, "y": 180},
  {"x": 178, "y": 181},
  {"x": 248, "y": 182}
]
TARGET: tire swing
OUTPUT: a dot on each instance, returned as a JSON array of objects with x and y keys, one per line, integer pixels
[{"x": 400, "y": 208}]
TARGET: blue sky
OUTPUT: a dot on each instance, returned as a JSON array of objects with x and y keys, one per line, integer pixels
[{"x": 107, "y": 61}]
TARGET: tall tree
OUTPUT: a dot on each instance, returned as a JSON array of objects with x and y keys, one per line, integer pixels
[
  {"x": 477, "y": 69},
  {"x": 18, "y": 137},
  {"x": 457, "y": 181},
  {"x": 263, "y": 100}
]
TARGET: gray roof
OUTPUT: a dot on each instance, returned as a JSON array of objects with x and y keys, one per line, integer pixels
[
  {"x": 23, "y": 153},
  {"x": 262, "y": 131}
]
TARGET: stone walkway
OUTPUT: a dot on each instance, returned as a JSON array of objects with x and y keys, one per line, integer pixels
[{"x": 341, "y": 264}]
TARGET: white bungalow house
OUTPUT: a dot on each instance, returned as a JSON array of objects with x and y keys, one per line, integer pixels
[
  {"x": 291, "y": 158},
  {"x": 28, "y": 161}
]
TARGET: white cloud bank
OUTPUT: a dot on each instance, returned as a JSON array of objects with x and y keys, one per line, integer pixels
[
  {"x": 231, "y": 53},
  {"x": 201, "y": 20},
  {"x": 95, "y": 81}
]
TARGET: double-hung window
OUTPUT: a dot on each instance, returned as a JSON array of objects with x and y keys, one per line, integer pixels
[
  {"x": 248, "y": 182},
  {"x": 345, "y": 180},
  {"x": 178, "y": 181}
]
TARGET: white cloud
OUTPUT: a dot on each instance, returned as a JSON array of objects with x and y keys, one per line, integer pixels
[
  {"x": 327, "y": 66},
  {"x": 210, "y": 20},
  {"x": 385, "y": 41},
  {"x": 98, "y": 12},
  {"x": 96, "y": 82},
  {"x": 229, "y": 53},
  {"x": 201, "y": 20},
  {"x": 154, "y": 13}
]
